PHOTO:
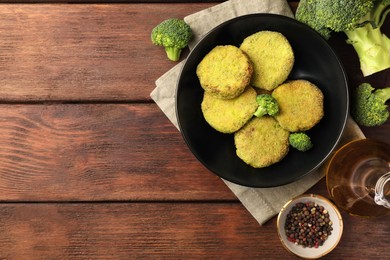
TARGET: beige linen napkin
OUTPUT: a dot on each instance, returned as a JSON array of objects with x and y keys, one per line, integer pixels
[{"x": 262, "y": 203}]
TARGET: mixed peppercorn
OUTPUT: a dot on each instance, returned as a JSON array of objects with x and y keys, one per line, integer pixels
[{"x": 308, "y": 224}]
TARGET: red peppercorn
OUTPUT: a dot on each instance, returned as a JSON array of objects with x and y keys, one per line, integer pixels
[{"x": 308, "y": 224}]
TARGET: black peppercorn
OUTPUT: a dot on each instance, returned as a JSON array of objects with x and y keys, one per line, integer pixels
[{"x": 308, "y": 225}]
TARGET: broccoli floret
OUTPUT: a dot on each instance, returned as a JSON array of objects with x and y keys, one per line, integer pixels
[
  {"x": 360, "y": 20},
  {"x": 300, "y": 141},
  {"x": 173, "y": 34},
  {"x": 267, "y": 105},
  {"x": 368, "y": 107}
]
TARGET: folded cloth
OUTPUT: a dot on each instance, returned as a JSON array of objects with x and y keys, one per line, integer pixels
[{"x": 262, "y": 203}]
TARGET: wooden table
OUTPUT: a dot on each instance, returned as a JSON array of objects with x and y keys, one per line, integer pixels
[{"x": 90, "y": 168}]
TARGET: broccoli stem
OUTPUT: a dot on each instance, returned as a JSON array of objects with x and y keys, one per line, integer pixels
[
  {"x": 173, "y": 53},
  {"x": 372, "y": 47},
  {"x": 379, "y": 12},
  {"x": 383, "y": 94},
  {"x": 260, "y": 112}
]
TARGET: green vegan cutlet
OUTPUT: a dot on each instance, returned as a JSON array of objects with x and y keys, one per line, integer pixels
[
  {"x": 229, "y": 115},
  {"x": 225, "y": 72},
  {"x": 301, "y": 105},
  {"x": 272, "y": 57},
  {"x": 261, "y": 142}
]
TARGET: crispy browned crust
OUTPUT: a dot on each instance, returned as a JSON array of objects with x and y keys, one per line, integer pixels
[
  {"x": 225, "y": 72},
  {"x": 301, "y": 105},
  {"x": 261, "y": 142},
  {"x": 272, "y": 57},
  {"x": 229, "y": 115}
]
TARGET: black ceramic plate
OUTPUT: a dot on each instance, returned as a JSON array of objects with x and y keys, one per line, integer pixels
[{"x": 314, "y": 61}]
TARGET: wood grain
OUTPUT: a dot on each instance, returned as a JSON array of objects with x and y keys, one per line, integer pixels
[
  {"x": 82, "y": 52},
  {"x": 110, "y": 1},
  {"x": 160, "y": 230},
  {"x": 102, "y": 152},
  {"x": 101, "y": 52},
  {"x": 90, "y": 168},
  {"x": 98, "y": 152}
]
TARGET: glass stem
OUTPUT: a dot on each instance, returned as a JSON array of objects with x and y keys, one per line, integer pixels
[{"x": 380, "y": 193}]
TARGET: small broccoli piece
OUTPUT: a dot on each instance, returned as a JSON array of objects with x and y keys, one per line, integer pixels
[
  {"x": 360, "y": 20},
  {"x": 300, "y": 141},
  {"x": 267, "y": 105},
  {"x": 173, "y": 34},
  {"x": 368, "y": 107}
]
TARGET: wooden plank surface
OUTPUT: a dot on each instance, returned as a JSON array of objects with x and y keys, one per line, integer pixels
[
  {"x": 90, "y": 168},
  {"x": 160, "y": 230},
  {"x": 98, "y": 152},
  {"x": 102, "y": 152},
  {"x": 99, "y": 52},
  {"x": 82, "y": 52},
  {"x": 112, "y": 1}
]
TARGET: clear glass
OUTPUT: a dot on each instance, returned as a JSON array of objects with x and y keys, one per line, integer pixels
[
  {"x": 358, "y": 178},
  {"x": 382, "y": 194}
]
